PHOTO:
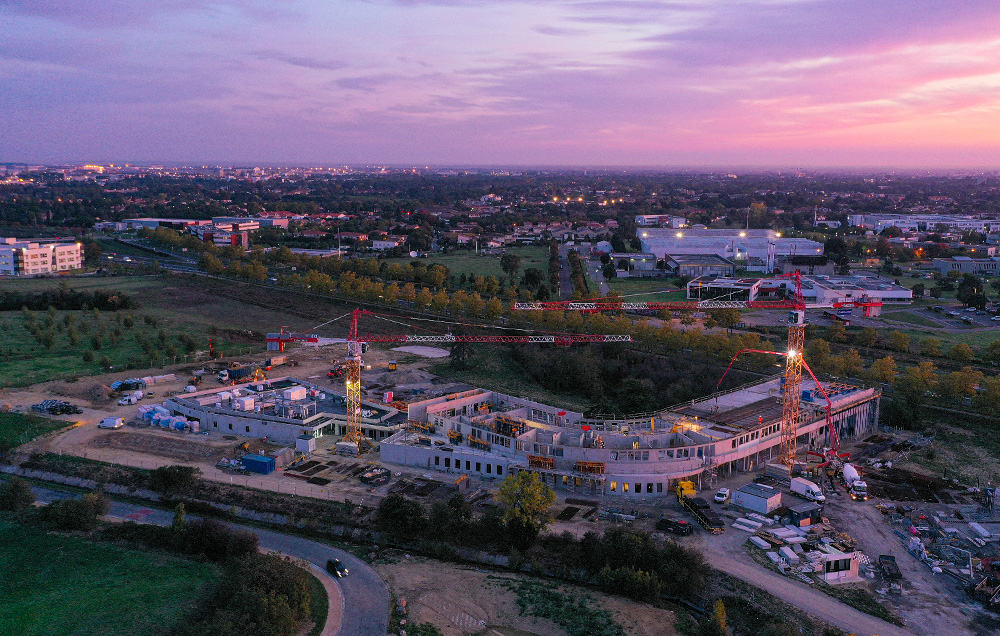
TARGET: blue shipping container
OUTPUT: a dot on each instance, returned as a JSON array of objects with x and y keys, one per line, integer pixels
[{"x": 259, "y": 464}]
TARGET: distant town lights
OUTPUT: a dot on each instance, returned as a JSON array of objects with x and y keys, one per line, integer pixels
[{"x": 680, "y": 234}]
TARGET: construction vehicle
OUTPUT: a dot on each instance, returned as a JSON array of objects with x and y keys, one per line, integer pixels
[
  {"x": 455, "y": 437},
  {"x": 336, "y": 372},
  {"x": 276, "y": 361},
  {"x": 807, "y": 490},
  {"x": 855, "y": 485},
  {"x": 890, "y": 572},
  {"x": 698, "y": 507},
  {"x": 247, "y": 373}
]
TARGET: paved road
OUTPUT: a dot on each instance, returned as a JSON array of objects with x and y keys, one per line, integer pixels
[
  {"x": 565, "y": 282},
  {"x": 366, "y": 596}
]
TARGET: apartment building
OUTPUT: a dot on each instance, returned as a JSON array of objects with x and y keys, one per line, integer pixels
[{"x": 32, "y": 258}]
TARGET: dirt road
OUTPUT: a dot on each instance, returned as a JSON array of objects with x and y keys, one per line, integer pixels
[{"x": 808, "y": 600}]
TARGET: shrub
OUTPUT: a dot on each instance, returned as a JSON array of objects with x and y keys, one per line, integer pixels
[
  {"x": 400, "y": 516},
  {"x": 16, "y": 494},
  {"x": 217, "y": 541},
  {"x": 76, "y": 514},
  {"x": 173, "y": 479}
]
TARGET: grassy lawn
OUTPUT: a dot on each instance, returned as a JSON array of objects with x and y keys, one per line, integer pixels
[
  {"x": 974, "y": 338},
  {"x": 20, "y": 428},
  {"x": 54, "y": 584},
  {"x": 647, "y": 289},
  {"x": 488, "y": 370},
  {"x": 468, "y": 262},
  {"x": 910, "y": 317}
]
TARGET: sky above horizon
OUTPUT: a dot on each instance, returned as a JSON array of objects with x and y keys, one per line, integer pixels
[{"x": 907, "y": 83}]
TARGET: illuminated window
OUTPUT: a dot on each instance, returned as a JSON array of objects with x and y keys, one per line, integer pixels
[{"x": 614, "y": 486}]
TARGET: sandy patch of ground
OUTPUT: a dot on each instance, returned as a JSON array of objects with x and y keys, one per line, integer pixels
[{"x": 463, "y": 600}]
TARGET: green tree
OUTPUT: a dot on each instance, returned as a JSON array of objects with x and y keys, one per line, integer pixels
[
  {"x": 173, "y": 479},
  {"x": 898, "y": 341},
  {"x": 836, "y": 332},
  {"x": 609, "y": 271},
  {"x": 962, "y": 353},
  {"x": 727, "y": 318},
  {"x": 526, "y": 500},
  {"x": 993, "y": 352},
  {"x": 510, "y": 264},
  {"x": 16, "y": 494},
  {"x": 930, "y": 347},
  {"x": 868, "y": 338},
  {"x": 400, "y": 516},
  {"x": 883, "y": 370}
]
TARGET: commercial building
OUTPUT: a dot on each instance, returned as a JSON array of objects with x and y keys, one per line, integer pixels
[
  {"x": 636, "y": 262},
  {"x": 925, "y": 222},
  {"x": 724, "y": 288},
  {"x": 33, "y": 257},
  {"x": 805, "y": 264},
  {"x": 490, "y": 434},
  {"x": 757, "y": 249},
  {"x": 694, "y": 265},
  {"x": 281, "y": 409},
  {"x": 968, "y": 265},
  {"x": 660, "y": 220},
  {"x": 826, "y": 290},
  {"x": 151, "y": 223}
]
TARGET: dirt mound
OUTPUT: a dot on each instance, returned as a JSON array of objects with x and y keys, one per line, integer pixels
[{"x": 162, "y": 445}]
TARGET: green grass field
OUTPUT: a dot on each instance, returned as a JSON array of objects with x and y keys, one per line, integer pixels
[
  {"x": 20, "y": 428},
  {"x": 52, "y": 584},
  {"x": 468, "y": 262},
  {"x": 647, "y": 289}
]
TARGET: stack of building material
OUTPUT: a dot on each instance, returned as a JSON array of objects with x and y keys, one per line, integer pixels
[
  {"x": 760, "y": 543},
  {"x": 789, "y": 555}
]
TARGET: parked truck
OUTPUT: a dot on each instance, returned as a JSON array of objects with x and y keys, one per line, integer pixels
[
  {"x": 855, "y": 485},
  {"x": 275, "y": 361},
  {"x": 231, "y": 375},
  {"x": 698, "y": 507},
  {"x": 807, "y": 490},
  {"x": 131, "y": 398}
]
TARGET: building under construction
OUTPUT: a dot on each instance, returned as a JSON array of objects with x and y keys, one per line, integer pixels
[
  {"x": 282, "y": 410},
  {"x": 491, "y": 434}
]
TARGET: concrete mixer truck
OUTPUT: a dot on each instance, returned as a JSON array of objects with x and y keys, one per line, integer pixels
[{"x": 855, "y": 485}]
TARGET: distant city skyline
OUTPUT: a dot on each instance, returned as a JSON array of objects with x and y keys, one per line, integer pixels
[{"x": 671, "y": 83}]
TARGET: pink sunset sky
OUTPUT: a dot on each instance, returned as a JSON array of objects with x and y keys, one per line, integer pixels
[{"x": 577, "y": 82}]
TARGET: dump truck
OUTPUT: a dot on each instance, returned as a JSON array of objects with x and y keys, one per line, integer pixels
[
  {"x": 230, "y": 375},
  {"x": 855, "y": 485},
  {"x": 275, "y": 362},
  {"x": 698, "y": 507},
  {"x": 890, "y": 572},
  {"x": 807, "y": 490}
]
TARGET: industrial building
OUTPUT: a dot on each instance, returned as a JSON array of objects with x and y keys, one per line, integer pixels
[
  {"x": 967, "y": 265},
  {"x": 490, "y": 434},
  {"x": 925, "y": 222},
  {"x": 282, "y": 410},
  {"x": 32, "y": 257},
  {"x": 818, "y": 290},
  {"x": 694, "y": 265},
  {"x": 756, "y": 248}
]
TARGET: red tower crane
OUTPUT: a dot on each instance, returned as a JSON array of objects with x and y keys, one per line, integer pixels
[
  {"x": 791, "y": 390},
  {"x": 356, "y": 342}
]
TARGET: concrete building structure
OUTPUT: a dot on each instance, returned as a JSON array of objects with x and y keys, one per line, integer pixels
[
  {"x": 33, "y": 257},
  {"x": 151, "y": 223},
  {"x": 756, "y": 248},
  {"x": 491, "y": 434},
  {"x": 636, "y": 262},
  {"x": 805, "y": 264},
  {"x": 695, "y": 265},
  {"x": 660, "y": 220},
  {"x": 924, "y": 222},
  {"x": 281, "y": 409},
  {"x": 825, "y": 290},
  {"x": 968, "y": 265}
]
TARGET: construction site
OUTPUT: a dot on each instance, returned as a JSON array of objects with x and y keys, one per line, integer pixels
[{"x": 808, "y": 490}]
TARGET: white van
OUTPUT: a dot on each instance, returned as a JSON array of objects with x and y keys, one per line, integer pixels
[{"x": 111, "y": 422}]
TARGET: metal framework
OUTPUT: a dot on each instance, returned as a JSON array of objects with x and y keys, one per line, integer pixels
[{"x": 356, "y": 345}]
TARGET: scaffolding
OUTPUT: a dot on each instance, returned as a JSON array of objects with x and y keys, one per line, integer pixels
[{"x": 507, "y": 426}]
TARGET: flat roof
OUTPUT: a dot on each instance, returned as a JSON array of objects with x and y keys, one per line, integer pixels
[{"x": 759, "y": 490}]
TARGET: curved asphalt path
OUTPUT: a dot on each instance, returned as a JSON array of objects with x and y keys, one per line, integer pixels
[{"x": 366, "y": 596}]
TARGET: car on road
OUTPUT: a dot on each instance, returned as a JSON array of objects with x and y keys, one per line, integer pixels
[
  {"x": 969, "y": 309},
  {"x": 995, "y": 318},
  {"x": 674, "y": 526},
  {"x": 336, "y": 568},
  {"x": 722, "y": 496}
]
